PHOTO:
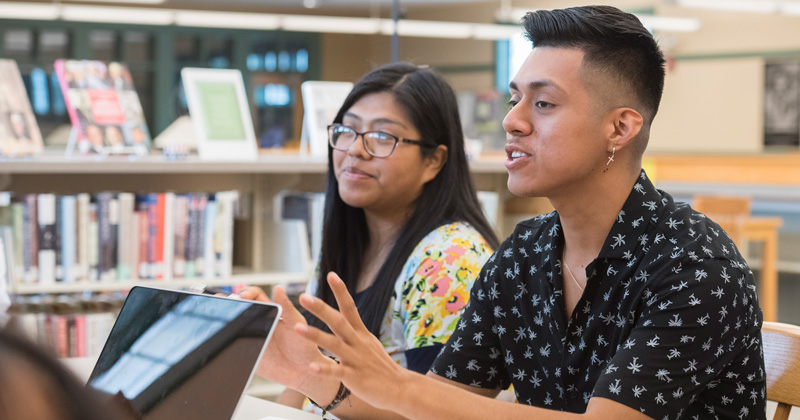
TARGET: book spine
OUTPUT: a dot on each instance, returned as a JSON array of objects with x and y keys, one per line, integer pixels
[
  {"x": 46, "y": 215},
  {"x": 68, "y": 238},
  {"x": 209, "y": 256},
  {"x": 58, "y": 240},
  {"x": 31, "y": 223},
  {"x": 80, "y": 335},
  {"x": 72, "y": 336},
  {"x": 18, "y": 220},
  {"x": 61, "y": 335},
  {"x": 106, "y": 249},
  {"x": 113, "y": 224},
  {"x": 199, "y": 259},
  {"x": 125, "y": 237},
  {"x": 152, "y": 235},
  {"x": 83, "y": 238},
  {"x": 181, "y": 221},
  {"x": 159, "y": 250},
  {"x": 142, "y": 207},
  {"x": 168, "y": 250},
  {"x": 93, "y": 243}
]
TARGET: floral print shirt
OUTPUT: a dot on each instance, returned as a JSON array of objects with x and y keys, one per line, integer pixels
[
  {"x": 669, "y": 322},
  {"x": 432, "y": 290}
]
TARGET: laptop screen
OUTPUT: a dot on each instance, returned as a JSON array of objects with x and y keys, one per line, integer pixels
[{"x": 177, "y": 355}]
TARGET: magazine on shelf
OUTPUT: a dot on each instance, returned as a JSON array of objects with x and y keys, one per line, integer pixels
[
  {"x": 220, "y": 114},
  {"x": 19, "y": 133},
  {"x": 103, "y": 106}
]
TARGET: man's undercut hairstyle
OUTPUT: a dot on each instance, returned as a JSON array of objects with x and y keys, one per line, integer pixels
[{"x": 613, "y": 42}]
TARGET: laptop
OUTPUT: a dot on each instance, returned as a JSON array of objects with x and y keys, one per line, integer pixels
[{"x": 181, "y": 355}]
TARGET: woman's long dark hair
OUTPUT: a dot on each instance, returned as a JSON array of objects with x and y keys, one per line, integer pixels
[{"x": 450, "y": 197}]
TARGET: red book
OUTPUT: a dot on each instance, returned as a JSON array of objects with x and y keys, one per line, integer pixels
[
  {"x": 62, "y": 335},
  {"x": 80, "y": 335}
]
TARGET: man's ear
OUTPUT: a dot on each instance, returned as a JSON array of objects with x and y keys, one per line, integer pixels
[
  {"x": 624, "y": 124},
  {"x": 434, "y": 163}
]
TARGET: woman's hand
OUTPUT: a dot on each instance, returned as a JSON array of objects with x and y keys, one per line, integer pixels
[
  {"x": 287, "y": 356},
  {"x": 365, "y": 367}
]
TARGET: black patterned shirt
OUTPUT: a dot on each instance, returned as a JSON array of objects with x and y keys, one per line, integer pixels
[{"x": 669, "y": 323}]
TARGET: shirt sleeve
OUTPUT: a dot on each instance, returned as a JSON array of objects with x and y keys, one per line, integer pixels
[
  {"x": 472, "y": 356},
  {"x": 696, "y": 322},
  {"x": 439, "y": 275}
]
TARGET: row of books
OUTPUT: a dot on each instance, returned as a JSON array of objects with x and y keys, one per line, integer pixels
[
  {"x": 69, "y": 326},
  {"x": 109, "y": 236}
]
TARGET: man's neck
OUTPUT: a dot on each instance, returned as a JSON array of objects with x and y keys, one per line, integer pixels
[{"x": 587, "y": 214}]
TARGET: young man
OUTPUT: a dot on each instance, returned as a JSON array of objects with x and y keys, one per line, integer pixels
[{"x": 621, "y": 304}]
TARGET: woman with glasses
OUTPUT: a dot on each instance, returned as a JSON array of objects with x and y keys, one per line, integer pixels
[{"x": 403, "y": 227}]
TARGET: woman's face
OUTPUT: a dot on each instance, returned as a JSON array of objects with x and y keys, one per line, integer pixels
[{"x": 383, "y": 185}]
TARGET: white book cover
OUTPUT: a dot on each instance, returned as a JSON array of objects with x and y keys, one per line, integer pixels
[
  {"x": 321, "y": 102},
  {"x": 124, "y": 236},
  {"x": 83, "y": 242}
]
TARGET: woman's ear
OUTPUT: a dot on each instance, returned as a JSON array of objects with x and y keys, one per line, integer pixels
[
  {"x": 625, "y": 126},
  {"x": 434, "y": 163}
]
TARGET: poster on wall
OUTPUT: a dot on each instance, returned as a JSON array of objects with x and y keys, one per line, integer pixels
[
  {"x": 782, "y": 104},
  {"x": 19, "y": 133},
  {"x": 220, "y": 114},
  {"x": 103, "y": 106}
]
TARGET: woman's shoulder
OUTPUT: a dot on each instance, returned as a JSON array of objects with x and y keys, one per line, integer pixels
[
  {"x": 452, "y": 238},
  {"x": 454, "y": 233}
]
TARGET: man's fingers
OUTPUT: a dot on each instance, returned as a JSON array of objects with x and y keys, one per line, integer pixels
[
  {"x": 280, "y": 297},
  {"x": 322, "y": 339},
  {"x": 331, "y": 317},
  {"x": 329, "y": 368},
  {"x": 254, "y": 293},
  {"x": 346, "y": 304}
]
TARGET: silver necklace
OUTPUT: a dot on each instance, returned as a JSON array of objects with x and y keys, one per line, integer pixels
[{"x": 564, "y": 259}]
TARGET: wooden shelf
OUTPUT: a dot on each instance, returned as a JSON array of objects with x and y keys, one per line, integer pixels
[
  {"x": 57, "y": 163},
  {"x": 256, "y": 279}
]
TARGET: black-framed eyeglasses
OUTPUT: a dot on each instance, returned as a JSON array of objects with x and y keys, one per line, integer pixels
[{"x": 376, "y": 143}]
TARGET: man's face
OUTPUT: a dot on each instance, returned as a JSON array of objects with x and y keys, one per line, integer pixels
[{"x": 554, "y": 137}]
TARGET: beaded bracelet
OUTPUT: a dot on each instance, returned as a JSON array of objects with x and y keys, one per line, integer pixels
[{"x": 342, "y": 394}]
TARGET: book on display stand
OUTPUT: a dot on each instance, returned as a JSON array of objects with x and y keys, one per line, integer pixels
[
  {"x": 104, "y": 108},
  {"x": 19, "y": 133}
]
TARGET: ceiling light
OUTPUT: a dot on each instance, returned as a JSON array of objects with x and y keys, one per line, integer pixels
[
  {"x": 432, "y": 29},
  {"x": 127, "y": 1},
  {"x": 790, "y": 8},
  {"x": 29, "y": 11},
  {"x": 669, "y": 24},
  {"x": 227, "y": 20},
  {"x": 129, "y": 15},
  {"x": 753, "y": 6},
  {"x": 330, "y": 24},
  {"x": 495, "y": 32}
]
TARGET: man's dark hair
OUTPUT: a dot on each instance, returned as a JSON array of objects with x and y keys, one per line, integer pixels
[{"x": 613, "y": 42}]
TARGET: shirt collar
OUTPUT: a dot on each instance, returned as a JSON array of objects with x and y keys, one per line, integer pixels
[{"x": 640, "y": 210}]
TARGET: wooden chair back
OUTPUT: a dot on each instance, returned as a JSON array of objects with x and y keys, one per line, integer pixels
[
  {"x": 729, "y": 212},
  {"x": 782, "y": 360}
]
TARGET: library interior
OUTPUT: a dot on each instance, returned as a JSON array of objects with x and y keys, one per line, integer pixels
[{"x": 184, "y": 145}]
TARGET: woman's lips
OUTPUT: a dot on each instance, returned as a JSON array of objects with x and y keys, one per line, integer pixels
[{"x": 355, "y": 173}]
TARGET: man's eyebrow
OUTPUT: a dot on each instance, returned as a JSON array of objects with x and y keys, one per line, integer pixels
[{"x": 537, "y": 84}]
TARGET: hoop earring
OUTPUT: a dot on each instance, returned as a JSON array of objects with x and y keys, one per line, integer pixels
[{"x": 611, "y": 159}]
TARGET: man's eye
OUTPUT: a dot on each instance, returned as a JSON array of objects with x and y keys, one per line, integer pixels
[
  {"x": 543, "y": 104},
  {"x": 512, "y": 103}
]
